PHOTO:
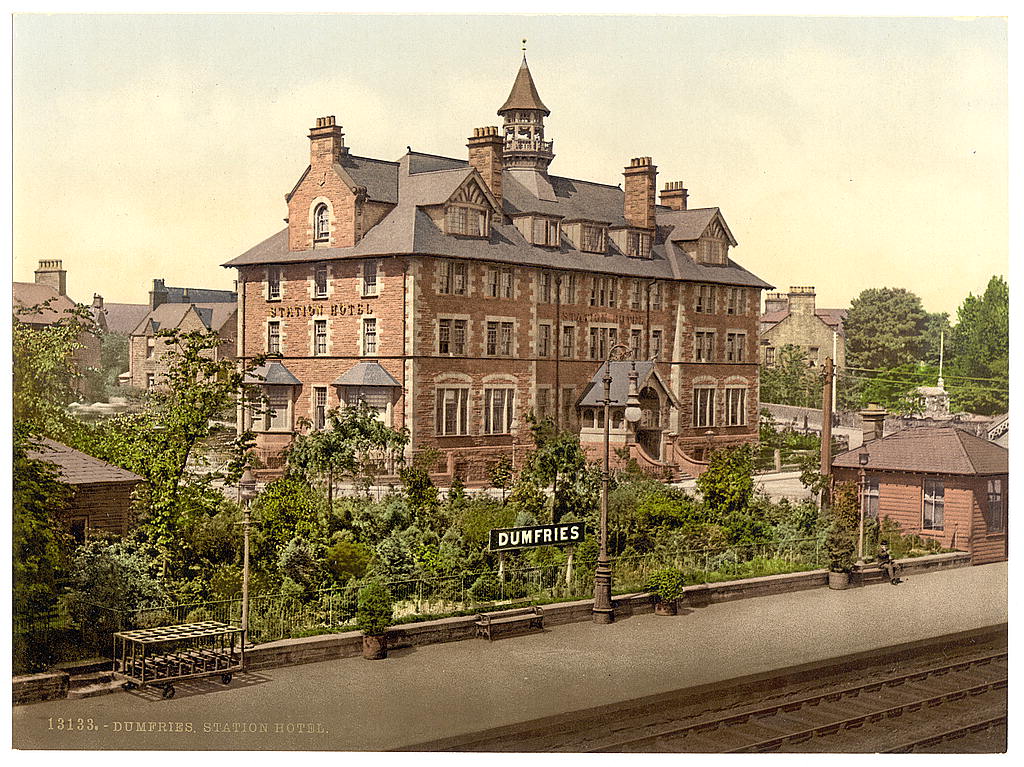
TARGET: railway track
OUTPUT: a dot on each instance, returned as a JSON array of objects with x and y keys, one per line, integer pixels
[{"x": 947, "y": 695}]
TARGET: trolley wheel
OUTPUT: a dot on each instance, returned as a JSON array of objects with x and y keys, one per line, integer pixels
[
  {"x": 226, "y": 678},
  {"x": 129, "y": 685},
  {"x": 169, "y": 691}
]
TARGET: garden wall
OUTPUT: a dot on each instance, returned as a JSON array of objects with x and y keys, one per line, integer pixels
[{"x": 291, "y": 652}]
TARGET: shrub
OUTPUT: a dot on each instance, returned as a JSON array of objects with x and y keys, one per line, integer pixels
[
  {"x": 375, "y": 608},
  {"x": 840, "y": 549},
  {"x": 486, "y": 588},
  {"x": 668, "y": 584}
]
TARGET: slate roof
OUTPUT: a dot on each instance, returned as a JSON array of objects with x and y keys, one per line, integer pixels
[
  {"x": 77, "y": 468},
  {"x": 425, "y": 180},
  {"x": 166, "y": 316},
  {"x": 524, "y": 93},
  {"x": 198, "y": 295},
  {"x": 593, "y": 392},
  {"x": 27, "y": 294},
  {"x": 834, "y": 318},
  {"x": 124, "y": 318},
  {"x": 366, "y": 374},
  {"x": 274, "y": 373},
  {"x": 932, "y": 450}
]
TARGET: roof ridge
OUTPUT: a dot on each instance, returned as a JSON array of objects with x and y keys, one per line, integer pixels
[{"x": 372, "y": 159}]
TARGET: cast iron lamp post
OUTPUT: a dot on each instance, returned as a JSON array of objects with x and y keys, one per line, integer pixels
[
  {"x": 862, "y": 457},
  {"x": 246, "y": 492},
  {"x": 603, "y": 574}
]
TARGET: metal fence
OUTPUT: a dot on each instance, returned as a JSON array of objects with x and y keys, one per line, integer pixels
[{"x": 290, "y": 614}]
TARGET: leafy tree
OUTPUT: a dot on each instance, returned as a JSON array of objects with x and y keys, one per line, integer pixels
[
  {"x": 979, "y": 375},
  {"x": 347, "y": 559},
  {"x": 287, "y": 508},
  {"x": 728, "y": 483},
  {"x": 884, "y": 328},
  {"x": 46, "y": 375},
  {"x": 501, "y": 475},
  {"x": 352, "y": 446},
  {"x": 170, "y": 438},
  {"x": 559, "y": 462},
  {"x": 40, "y": 549},
  {"x": 791, "y": 380}
]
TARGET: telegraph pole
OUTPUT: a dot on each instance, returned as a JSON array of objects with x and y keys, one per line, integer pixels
[{"x": 826, "y": 419}]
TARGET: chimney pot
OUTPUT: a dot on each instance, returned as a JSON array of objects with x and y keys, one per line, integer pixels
[{"x": 674, "y": 195}]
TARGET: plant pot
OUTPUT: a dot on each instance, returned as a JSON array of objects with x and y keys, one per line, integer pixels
[
  {"x": 665, "y": 608},
  {"x": 375, "y": 648},
  {"x": 838, "y": 580}
]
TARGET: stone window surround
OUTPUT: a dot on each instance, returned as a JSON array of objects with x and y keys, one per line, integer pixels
[
  {"x": 514, "y": 352},
  {"x": 714, "y": 334},
  {"x": 314, "y": 204},
  {"x": 447, "y": 382},
  {"x": 741, "y": 349},
  {"x": 437, "y": 334},
  {"x": 549, "y": 324},
  {"x": 378, "y": 332}
]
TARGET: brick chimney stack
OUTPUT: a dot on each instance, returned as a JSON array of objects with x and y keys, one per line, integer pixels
[
  {"x": 873, "y": 422},
  {"x": 97, "y": 301},
  {"x": 52, "y": 273},
  {"x": 640, "y": 187},
  {"x": 326, "y": 142},
  {"x": 486, "y": 148},
  {"x": 674, "y": 195}
]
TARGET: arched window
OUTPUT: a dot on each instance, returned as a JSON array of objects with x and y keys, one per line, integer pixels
[{"x": 321, "y": 223}]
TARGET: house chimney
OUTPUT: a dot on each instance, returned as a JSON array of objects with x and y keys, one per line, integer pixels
[
  {"x": 97, "y": 301},
  {"x": 52, "y": 273},
  {"x": 873, "y": 422},
  {"x": 158, "y": 295},
  {"x": 801, "y": 301},
  {"x": 326, "y": 142},
  {"x": 640, "y": 189},
  {"x": 486, "y": 147},
  {"x": 775, "y": 302},
  {"x": 674, "y": 195}
]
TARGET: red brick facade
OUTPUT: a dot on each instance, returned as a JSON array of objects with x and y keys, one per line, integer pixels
[{"x": 463, "y": 308}]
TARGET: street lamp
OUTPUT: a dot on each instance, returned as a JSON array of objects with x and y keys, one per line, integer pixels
[
  {"x": 246, "y": 492},
  {"x": 603, "y": 574},
  {"x": 862, "y": 457}
]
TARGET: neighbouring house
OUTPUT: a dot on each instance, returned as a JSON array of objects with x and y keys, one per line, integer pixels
[
  {"x": 102, "y": 497},
  {"x": 184, "y": 309},
  {"x": 118, "y": 318},
  {"x": 475, "y": 291},
  {"x": 938, "y": 482},
  {"x": 49, "y": 291},
  {"x": 791, "y": 319}
]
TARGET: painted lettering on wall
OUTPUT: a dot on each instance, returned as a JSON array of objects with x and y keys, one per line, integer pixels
[{"x": 320, "y": 310}]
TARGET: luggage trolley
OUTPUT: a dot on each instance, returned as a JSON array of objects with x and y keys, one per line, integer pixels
[{"x": 162, "y": 656}]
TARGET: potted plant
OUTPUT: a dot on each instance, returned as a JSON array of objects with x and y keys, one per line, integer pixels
[
  {"x": 840, "y": 549},
  {"x": 668, "y": 586},
  {"x": 373, "y": 616}
]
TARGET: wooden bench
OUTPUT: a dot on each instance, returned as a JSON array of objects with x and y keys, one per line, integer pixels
[{"x": 509, "y": 621}]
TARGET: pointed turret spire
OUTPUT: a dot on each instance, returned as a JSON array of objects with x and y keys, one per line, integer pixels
[{"x": 524, "y": 114}]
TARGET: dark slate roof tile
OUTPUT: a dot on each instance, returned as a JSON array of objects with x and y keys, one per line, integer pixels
[{"x": 366, "y": 374}]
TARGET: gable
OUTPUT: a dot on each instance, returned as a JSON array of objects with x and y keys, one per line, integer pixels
[
  {"x": 717, "y": 229},
  {"x": 473, "y": 191}
]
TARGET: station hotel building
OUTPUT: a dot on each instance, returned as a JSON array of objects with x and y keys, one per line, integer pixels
[{"x": 458, "y": 295}]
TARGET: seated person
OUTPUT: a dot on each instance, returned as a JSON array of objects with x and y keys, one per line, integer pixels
[{"x": 886, "y": 563}]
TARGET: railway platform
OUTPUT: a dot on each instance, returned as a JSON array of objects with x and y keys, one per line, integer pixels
[{"x": 429, "y": 693}]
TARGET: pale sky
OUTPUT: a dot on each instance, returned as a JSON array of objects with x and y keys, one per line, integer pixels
[{"x": 845, "y": 153}]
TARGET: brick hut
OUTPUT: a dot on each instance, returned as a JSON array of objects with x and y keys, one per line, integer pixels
[
  {"x": 941, "y": 483},
  {"x": 102, "y": 492}
]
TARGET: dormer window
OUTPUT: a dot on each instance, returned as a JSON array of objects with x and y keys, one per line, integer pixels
[
  {"x": 638, "y": 244},
  {"x": 593, "y": 238},
  {"x": 545, "y": 232},
  {"x": 321, "y": 223},
  {"x": 712, "y": 251},
  {"x": 466, "y": 220}
]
